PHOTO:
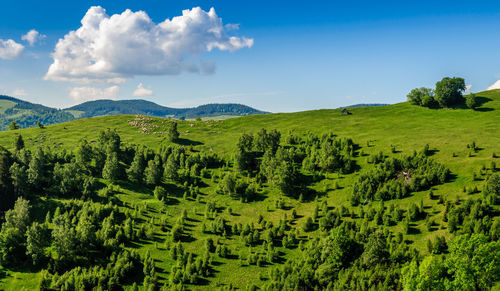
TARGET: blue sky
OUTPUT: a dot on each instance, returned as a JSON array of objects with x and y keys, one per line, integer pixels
[{"x": 288, "y": 55}]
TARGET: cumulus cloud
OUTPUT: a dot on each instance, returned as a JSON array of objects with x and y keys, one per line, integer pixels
[
  {"x": 82, "y": 94},
  {"x": 32, "y": 37},
  {"x": 495, "y": 85},
  {"x": 10, "y": 49},
  {"x": 467, "y": 88},
  {"x": 141, "y": 91},
  {"x": 113, "y": 48}
]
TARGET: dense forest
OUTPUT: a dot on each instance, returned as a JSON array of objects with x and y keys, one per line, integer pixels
[{"x": 65, "y": 216}]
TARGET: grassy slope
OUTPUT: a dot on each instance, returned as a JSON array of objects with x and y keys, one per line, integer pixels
[{"x": 407, "y": 127}]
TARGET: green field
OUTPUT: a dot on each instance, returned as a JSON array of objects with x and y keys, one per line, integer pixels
[{"x": 401, "y": 126}]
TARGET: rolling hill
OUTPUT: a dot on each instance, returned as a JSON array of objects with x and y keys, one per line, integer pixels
[
  {"x": 143, "y": 107},
  {"x": 27, "y": 114},
  {"x": 396, "y": 131}
]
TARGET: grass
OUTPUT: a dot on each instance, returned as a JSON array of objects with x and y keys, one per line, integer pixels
[{"x": 404, "y": 126}]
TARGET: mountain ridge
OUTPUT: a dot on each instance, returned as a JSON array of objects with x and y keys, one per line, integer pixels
[{"x": 27, "y": 114}]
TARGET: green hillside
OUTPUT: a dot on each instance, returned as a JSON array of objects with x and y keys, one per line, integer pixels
[{"x": 467, "y": 142}]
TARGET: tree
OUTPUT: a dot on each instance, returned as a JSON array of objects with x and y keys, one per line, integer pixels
[
  {"x": 84, "y": 154},
  {"x": 36, "y": 171},
  {"x": 308, "y": 224},
  {"x": 172, "y": 133},
  {"x": 13, "y": 125},
  {"x": 12, "y": 250},
  {"x": 492, "y": 185},
  {"x": 421, "y": 96},
  {"x": 19, "y": 143},
  {"x": 375, "y": 250},
  {"x": 63, "y": 238},
  {"x": 36, "y": 242},
  {"x": 171, "y": 168},
  {"x": 471, "y": 101},
  {"x": 160, "y": 193},
  {"x": 153, "y": 172},
  {"x": 67, "y": 177},
  {"x": 19, "y": 178},
  {"x": 111, "y": 170},
  {"x": 109, "y": 140},
  {"x": 428, "y": 276},
  {"x": 474, "y": 262},
  {"x": 136, "y": 171},
  {"x": 245, "y": 142},
  {"x": 449, "y": 91},
  {"x": 19, "y": 216}
]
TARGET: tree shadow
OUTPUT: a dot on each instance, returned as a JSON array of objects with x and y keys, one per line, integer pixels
[{"x": 187, "y": 142}]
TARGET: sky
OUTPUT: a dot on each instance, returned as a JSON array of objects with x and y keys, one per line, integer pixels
[{"x": 278, "y": 56}]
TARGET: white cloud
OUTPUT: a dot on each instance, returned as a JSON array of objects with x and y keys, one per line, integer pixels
[
  {"x": 19, "y": 93},
  {"x": 10, "y": 49},
  {"x": 33, "y": 36},
  {"x": 467, "y": 88},
  {"x": 495, "y": 85},
  {"x": 82, "y": 94},
  {"x": 113, "y": 48},
  {"x": 141, "y": 91}
]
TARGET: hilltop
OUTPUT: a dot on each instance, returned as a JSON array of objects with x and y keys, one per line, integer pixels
[
  {"x": 253, "y": 239},
  {"x": 27, "y": 114}
]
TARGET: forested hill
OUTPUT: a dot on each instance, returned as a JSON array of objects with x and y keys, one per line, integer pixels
[
  {"x": 27, "y": 114},
  {"x": 143, "y": 107}
]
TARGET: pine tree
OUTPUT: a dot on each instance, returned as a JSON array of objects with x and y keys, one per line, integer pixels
[
  {"x": 136, "y": 171},
  {"x": 35, "y": 169},
  {"x": 19, "y": 143},
  {"x": 153, "y": 171},
  {"x": 171, "y": 169},
  {"x": 172, "y": 133},
  {"x": 19, "y": 178},
  {"x": 111, "y": 168}
]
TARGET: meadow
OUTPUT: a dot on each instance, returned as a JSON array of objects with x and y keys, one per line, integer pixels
[{"x": 396, "y": 130}]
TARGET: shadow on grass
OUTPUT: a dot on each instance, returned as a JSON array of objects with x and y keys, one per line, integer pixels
[{"x": 187, "y": 142}]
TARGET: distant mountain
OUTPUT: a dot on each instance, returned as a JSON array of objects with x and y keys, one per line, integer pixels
[
  {"x": 143, "y": 107},
  {"x": 364, "y": 105},
  {"x": 28, "y": 114}
]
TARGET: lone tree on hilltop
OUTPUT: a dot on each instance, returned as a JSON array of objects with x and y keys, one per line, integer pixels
[{"x": 449, "y": 91}]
